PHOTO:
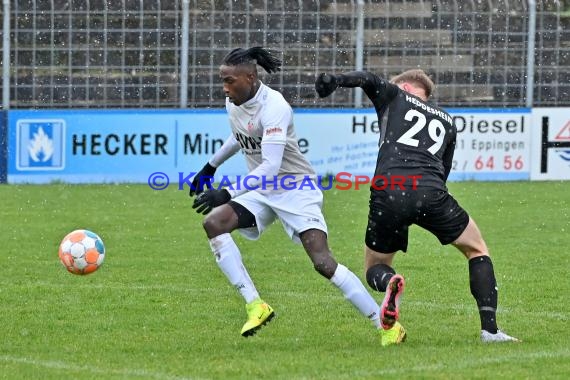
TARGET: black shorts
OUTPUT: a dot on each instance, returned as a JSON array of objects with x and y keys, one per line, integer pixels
[{"x": 392, "y": 212}]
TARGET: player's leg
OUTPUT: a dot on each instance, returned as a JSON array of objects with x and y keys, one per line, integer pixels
[
  {"x": 301, "y": 216},
  {"x": 218, "y": 226},
  {"x": 451, "y": 224},
  {"x": 482, "y": 281},
  {"x": 386, "y": 233},
  {"x": 315, "y": 243},
  {"x": 382, "y": 277},
  {"x": 378, "y": 268}
]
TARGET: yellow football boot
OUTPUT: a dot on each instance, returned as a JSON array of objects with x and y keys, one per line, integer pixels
[
  {"x": 394, "y": 335},
  {"x": 258, "y": 314}
]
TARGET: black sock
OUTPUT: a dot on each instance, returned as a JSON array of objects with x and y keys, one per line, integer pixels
[
  {"x": 378, "y": 276},
  {"x": 484, "y": 289}
]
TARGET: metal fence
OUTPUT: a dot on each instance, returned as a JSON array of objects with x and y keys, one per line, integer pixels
[{"x": 158, "y": 54}]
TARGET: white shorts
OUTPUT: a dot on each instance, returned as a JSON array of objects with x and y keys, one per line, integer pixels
[{"x": 298, "y": 211}]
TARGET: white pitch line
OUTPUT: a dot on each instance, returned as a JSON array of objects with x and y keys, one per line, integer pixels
[
  {"x": 435, "y": 305},
  {"x": 91, "y": 369},
  {"x": 455, "y": 364},
  {"x": 469, "y": 363},
  {"x": 109, "y": 286}
]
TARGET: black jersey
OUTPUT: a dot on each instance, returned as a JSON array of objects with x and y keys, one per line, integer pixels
[{"x": 416, "y": 138}]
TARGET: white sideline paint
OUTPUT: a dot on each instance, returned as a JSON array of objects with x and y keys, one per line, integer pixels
[
  {"x": 91, "y": 369},
  {"x": 468, "y": 307},
  {"x": 469, "y": 362},
  {"x": 454, "y": 365}
]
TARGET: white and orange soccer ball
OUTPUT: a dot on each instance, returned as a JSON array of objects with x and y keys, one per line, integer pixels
[{"x": 82, "y": 252}]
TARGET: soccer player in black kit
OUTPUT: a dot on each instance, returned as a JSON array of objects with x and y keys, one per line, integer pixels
[{"x": 417, "y": 141}]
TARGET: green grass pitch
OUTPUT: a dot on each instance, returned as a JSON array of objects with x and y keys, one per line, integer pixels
[{"x": 159, "y": 308}]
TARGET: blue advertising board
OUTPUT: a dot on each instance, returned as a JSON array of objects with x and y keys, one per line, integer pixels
[
  {"x": 113, "y": 146},
  {"x": 139, "y": 146},
  {"x": 3, "y": 147}
]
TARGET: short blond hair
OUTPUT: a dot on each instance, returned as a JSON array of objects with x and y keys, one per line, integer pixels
[{"x": 418, "y": 77}]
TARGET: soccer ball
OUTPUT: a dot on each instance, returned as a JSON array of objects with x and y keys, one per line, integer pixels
[{"x": 82, "y": 252}]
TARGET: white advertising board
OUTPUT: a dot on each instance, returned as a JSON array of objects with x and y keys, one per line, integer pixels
[
  {"x": 492, "y": 144},
  {"x": 550, "y": 152}
]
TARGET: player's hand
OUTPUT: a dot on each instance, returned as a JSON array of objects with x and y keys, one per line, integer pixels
[
  {"x": 325, "y": 84},
  {"x": 206, "y": 201},
  {"x": 202, "y": 179}
]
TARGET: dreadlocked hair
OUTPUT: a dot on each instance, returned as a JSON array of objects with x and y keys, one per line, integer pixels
[{"x": 254, "y": 55}]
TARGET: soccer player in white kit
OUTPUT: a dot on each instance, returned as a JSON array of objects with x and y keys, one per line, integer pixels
[{"x": 262, "y": 127}]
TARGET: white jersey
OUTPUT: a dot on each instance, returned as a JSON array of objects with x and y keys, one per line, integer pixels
[{"x": 268, "y": 117}]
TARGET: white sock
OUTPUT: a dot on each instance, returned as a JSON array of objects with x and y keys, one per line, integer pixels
[
  {"x": 229, "y": 260},
  {"x": 356, "y": 293}
]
